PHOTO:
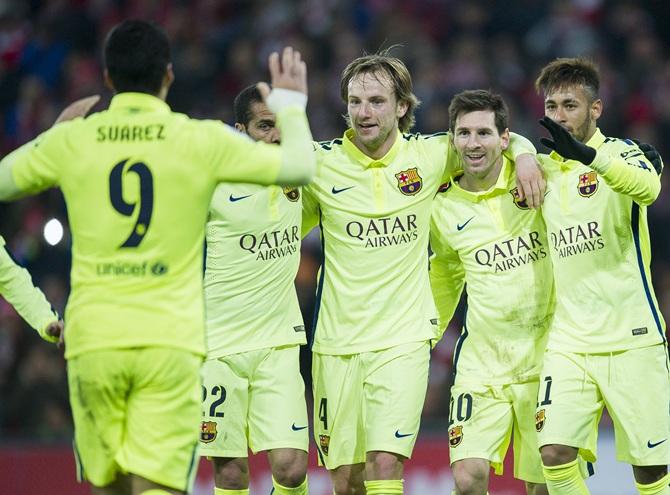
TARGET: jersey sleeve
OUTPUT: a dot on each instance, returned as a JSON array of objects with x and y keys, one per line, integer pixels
[
  {"x": 454, "y": 165},
  {"x": 310, "y": 211},
  {"x": 17, "y": 288},
  {"x": 237, "y": 158},
  {"x": 629, "y": 173},
  {"x": 35, "y": 166},
  {"x": 519, "y": 145},
  {"x": 447, "y": 275}
]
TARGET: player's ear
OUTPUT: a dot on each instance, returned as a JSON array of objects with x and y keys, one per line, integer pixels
[
  {"x": 596, "y": 109},
  {"x": 504, "y": 139},
  {"x": 169, "y": 76},
  {"x": 240, "y": 127},
  {"x": 108, "y": 81},
  {"x": 401, "y": 108}
]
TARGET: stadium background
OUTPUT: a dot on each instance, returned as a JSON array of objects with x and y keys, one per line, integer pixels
[{"x": 50, "y": 55}]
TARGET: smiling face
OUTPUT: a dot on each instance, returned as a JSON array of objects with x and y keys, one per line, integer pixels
[
  {"x": 373, "y": 112},
  {"x": 480, "y": 146},
  {"x": 574, "y": 109},
  {"x": 261, "y": 125}
]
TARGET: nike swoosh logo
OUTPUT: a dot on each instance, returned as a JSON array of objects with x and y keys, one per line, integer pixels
[
  {"x": 238, "y": 198},
  {"x": 461, "y": 226},
  {"x": 652, "y": 445},
  {"x": 402, "y": 435},
  {"x": 297, "y": 428},
  {"x": 338, "y": 191}
]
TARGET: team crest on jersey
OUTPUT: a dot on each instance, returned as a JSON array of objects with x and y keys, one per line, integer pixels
[
  {"x": 208, "y": 431},
  {"x": 324, "y": 443},
  {"x": 520, "y": 203},
  {"x": 539, "y": 420},
  {"x": 588, "y": 184},
  {"x": 409, "y": 181},
  {"x": 455, "y": 436},
  {"x": 292, "y": 193}
]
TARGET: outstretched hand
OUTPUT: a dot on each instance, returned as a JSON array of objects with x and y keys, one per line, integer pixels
[
  {"x": 290, "y": 74},
  {"x": 651, "y": 154},
  {"x": 56, "y": 330},
  {"x": 565, "y": 144},
  {"x": 78, "y": 108}
]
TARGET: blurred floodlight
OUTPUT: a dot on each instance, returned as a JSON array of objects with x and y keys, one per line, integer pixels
[{"x": 53, "y": 231}]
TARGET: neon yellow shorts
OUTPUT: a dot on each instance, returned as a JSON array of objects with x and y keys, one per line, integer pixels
[
  {"x": 136, "y": 411},
  {"x": 634, "y": 385},
  {"x": 254, "y": 400},
  {"x": 370, "y": 401},
  {"x": 483, "y": 419}
]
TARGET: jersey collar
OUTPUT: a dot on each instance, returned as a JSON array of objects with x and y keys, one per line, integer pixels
[
  {"x": 367, "y": 162},
  {"x": 138, "y": 102},
  {"x": 501, "y": 185},
  {"x": 595, "y": 142}
]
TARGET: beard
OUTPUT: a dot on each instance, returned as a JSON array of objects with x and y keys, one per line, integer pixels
[{"x": 582, "y": 132}]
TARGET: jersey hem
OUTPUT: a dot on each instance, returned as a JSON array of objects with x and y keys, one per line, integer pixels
[
  {"x": 198, "y": 351},
  {"x": 594, "y": 349},
  {"x": 343, "y": 351},
  {"x": 214, "y": 354}
]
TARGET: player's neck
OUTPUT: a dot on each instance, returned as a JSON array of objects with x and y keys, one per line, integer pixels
[
  {"x": 475, "y": 183},
  {"x": 379, "y": 151}
]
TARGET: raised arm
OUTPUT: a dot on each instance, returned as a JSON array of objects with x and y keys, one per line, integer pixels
[
  {"x": 239, "y": 159},
  {"x": 629, "y": 172}
]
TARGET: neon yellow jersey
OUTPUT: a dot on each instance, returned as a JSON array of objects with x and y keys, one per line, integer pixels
[
  {"x": 498, "y": 246},
  {"x": 373, "y": 289},
  {"x": 16, "y": 286},
  {"x": 137, "y": 180},
  {"x": 253, "y": 252},
  {"x": 597, "y": 227}
]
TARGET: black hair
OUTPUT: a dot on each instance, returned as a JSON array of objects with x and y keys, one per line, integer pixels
[
  {"x": 137, "y": 54},
  {"x": 242, "y": 104}
]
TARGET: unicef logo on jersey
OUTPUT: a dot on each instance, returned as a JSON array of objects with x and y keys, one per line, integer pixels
[
  {"x": 159, "y": 268},
  {"x": 130, "y": 269}
]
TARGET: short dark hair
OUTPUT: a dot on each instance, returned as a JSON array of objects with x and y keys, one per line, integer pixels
[
  {"x": 397, "y": 72},
  {"x": 242, "y": 104},
  {"x": 479, "y": 99},
  {"x": 137, "y": 54},
  {"x": 565, "y": 72}
]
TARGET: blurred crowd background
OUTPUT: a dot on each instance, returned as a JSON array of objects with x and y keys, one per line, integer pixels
[{"x": 50, "y": 55}]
